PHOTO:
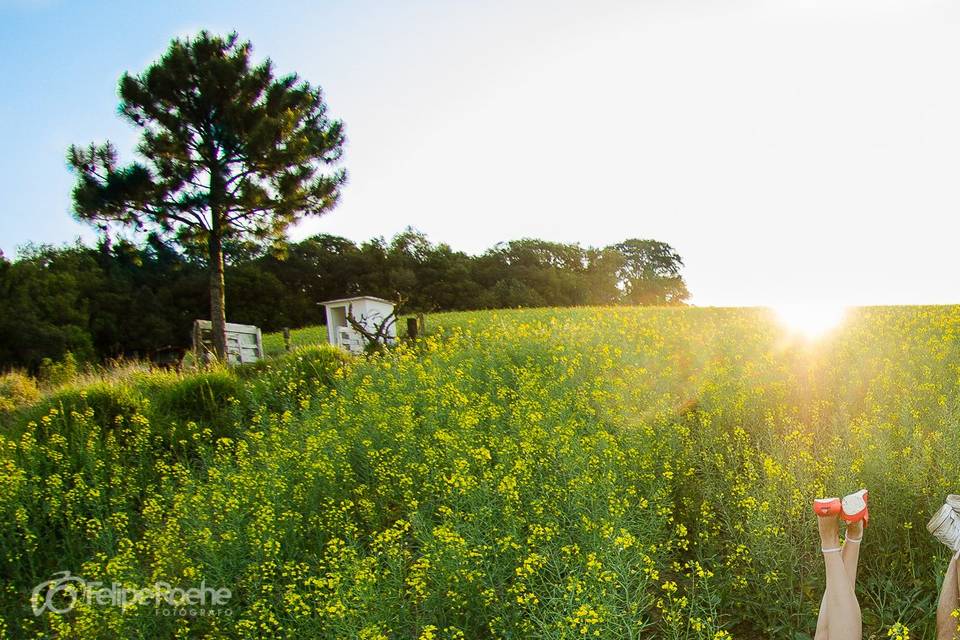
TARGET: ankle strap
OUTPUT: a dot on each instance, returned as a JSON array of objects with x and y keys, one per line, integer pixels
[{"x": 837, "y": 550}]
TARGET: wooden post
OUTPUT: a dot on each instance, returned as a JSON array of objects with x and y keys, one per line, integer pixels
[
  {"x": 421, "y": 323},
  {"x": 412, "y": 328},
  {"x": 286, "y": 338}
]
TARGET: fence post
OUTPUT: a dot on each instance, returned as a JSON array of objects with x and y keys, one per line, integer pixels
[
  {"x": 412, "y": 328},
  {"x": 286, "y": 338}
]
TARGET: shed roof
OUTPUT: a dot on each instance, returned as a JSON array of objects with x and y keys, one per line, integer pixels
[{"x": 355, "y": 298}]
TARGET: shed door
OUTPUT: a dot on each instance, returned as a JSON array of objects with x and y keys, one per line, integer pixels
[{"x": 338, "y": 316}]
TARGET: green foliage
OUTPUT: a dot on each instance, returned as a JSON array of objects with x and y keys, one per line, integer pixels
[
  {"x": 528, "y": 273},
  {"x": 55, "y": 374},
  {"x": 649, "y": 273},
  {"x": 288, "y": 382},
  {"x": 203, "y": 107},
  {"x": 129, "y": 301},
  {"x": 105, "y": 404},
  {"x": 318, "y": 362},
  {"x": 592, "y": 472},
  {"x": 212, "y": 399},
  {"x": 17, "y": 389},
  {"x": 112, "y": 301},
  {"x": 45, "y": 304}
]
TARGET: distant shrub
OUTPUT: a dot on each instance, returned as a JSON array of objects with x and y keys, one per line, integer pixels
[
  {"x": 209, "y": 398},
  {"x": 17, "y": 390},
  {"x": 253, "y": 370},
  {"x": 108, "y": 401},
  {"x": 318, "y": 363},
  {"x": 55, "y": 374},
  {"x": 280, "y": 383}
]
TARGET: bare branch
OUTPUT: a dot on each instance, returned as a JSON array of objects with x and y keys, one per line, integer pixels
[{"x": 380, "y": 333}]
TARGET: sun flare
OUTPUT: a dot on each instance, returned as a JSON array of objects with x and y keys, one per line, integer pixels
[{"x": 810, "y": 320}]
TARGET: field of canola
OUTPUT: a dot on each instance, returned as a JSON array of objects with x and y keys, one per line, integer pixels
[{"x": 602, "y": 473}]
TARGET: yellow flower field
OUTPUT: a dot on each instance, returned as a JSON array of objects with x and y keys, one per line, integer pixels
[{"x": 601, "y": 473}]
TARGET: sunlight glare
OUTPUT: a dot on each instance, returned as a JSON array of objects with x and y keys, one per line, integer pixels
[{"x": 810, "y": 320}]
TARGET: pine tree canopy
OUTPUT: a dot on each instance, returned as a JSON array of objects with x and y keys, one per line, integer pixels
[{"x": 228, "y": 148}]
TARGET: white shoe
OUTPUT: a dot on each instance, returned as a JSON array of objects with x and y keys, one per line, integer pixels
[{"x": 945, "y": 527}]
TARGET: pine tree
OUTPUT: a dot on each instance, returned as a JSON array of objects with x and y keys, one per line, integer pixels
[{"x": 230, "y": 154}]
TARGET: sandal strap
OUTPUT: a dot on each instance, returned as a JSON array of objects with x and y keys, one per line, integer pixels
[{"x": 837, "y": 550}]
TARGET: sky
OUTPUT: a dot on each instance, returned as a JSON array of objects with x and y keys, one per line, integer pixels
[{"x": 792, "y": 151}]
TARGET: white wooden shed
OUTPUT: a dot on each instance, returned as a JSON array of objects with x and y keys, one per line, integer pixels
[{"x": 368, "y": 311}]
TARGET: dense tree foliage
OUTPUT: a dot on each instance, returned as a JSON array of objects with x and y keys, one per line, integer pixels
[
  {"x": 230, "y": 157},
  {"x": 120, "y": 299}
]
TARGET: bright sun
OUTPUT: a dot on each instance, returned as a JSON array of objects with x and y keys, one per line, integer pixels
[{"x": 810, "y": 320}]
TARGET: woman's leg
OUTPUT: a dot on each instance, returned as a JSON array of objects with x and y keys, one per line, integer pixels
[
  {"x": 949, "y": 601},
  {"x": 823, "y": 632},
  {"x": 851, "y": 557},
  {"x": 843, "y": 611}
]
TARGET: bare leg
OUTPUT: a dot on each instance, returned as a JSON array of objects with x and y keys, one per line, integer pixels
[
  {"x": 949, "y": 600},
  {"x": 843, "y": 610},
  {"x": 823, "y": 632},
  {"x": 851, "y": 557}
]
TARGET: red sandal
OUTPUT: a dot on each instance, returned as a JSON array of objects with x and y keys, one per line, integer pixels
[{"x": 827, "y": 507}]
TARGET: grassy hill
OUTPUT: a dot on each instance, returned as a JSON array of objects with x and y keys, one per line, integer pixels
[
  {"x": 273, "y": 342},
  {"x": 616, "y": 473}
]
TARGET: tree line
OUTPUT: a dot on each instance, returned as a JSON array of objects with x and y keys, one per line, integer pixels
[{"x": 126, "y": 299}]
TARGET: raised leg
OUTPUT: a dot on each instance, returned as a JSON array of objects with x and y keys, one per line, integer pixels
[
  {"x": 949, "y": 601},
  {"x": 851, "y": 557},
  {"x": 842, "y": 609}
]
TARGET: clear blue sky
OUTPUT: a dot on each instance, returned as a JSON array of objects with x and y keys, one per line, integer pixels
[{"x": 791, "y": 150}]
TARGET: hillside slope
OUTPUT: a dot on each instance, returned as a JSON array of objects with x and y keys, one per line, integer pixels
[{"x": 615, "y": 473}]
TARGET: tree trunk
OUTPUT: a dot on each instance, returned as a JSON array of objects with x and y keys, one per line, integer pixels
[{"x": 218, "y": 308}]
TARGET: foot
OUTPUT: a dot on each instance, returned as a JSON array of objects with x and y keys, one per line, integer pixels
[
  {"x": 829, "y": 527},
  {"x": 854, "y": 532},
  {"x": 827, "y": 506}
]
